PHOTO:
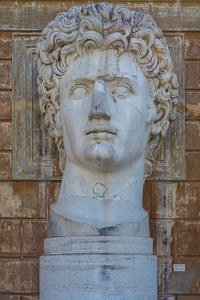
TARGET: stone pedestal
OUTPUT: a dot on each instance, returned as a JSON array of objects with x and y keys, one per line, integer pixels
[{"x": 98, "y": 268}]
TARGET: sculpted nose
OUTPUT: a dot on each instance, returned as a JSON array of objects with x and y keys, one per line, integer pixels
[{"x": 99, "y": 106}]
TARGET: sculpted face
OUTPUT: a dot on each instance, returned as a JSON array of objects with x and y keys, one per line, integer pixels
[{"x": 104, "y": 107}]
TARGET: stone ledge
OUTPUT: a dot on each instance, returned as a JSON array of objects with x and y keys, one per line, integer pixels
[{"x": 98, "y": 245}]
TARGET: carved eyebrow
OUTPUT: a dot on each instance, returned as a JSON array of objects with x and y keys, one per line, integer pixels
[
  {"x": 125, "y": 78},
  {"x": 80, "y": 80},
  {"x": 131, "y": 80}
]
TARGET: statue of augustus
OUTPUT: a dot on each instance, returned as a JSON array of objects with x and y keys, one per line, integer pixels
[{"x": 108, "y": 92}]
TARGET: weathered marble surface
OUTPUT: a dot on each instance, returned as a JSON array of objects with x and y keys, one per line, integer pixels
[
  {"x": 39, "y": 160},
  {"x": 98, "y": 268},
  {"x": 108, "y": 96},
  {"x": 62, "y": 226},
  {"x": 98, "y": 244},
  {"x": 104, "y": 110},
  {"x": 108, "y": 92}
]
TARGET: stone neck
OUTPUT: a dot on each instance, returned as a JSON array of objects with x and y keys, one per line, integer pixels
[{"x": 101, "y": 199}]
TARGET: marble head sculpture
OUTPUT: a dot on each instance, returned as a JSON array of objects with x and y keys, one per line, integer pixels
[{"x": 108, "y": 92}]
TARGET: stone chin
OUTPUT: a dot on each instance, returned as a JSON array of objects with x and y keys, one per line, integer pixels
[{"x": 99, "y": 155}]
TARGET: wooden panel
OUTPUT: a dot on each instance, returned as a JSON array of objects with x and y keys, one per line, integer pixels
[{"x": 35, "y": 154}]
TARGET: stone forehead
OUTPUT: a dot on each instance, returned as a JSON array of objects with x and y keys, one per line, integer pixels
[{"x": 102, "y": 62}]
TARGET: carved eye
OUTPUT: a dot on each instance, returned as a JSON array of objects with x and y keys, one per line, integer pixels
[
  {"x": 122, "y": 91},
  {"x": 79, "y": 91}
]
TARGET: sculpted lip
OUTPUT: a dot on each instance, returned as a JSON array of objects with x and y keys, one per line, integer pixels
[{"x": 101, "y": 130}]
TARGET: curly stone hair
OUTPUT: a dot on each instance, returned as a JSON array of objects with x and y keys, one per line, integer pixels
[{"x": 103, "y": 26}]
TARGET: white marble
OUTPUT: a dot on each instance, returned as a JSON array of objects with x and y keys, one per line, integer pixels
[
  {"x": 82, "y": 31},
  {"x": 61, "y": 226},
  {"x": 98, "y": 245},
  {"x": 78, "y": 269},
  {"x": 104, "y": 108},
  {"x": 108, "y": 92}
]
